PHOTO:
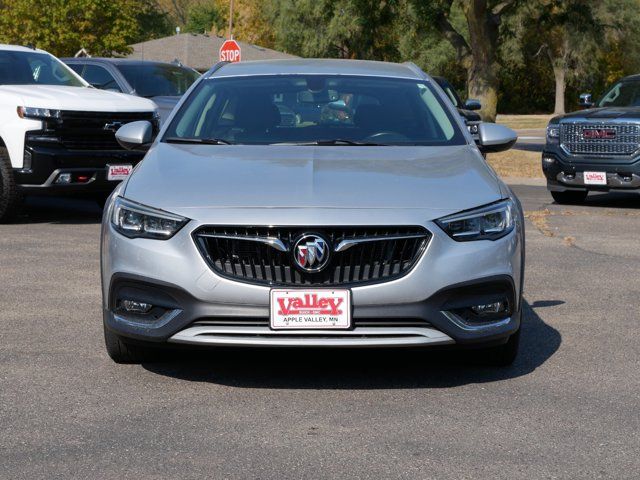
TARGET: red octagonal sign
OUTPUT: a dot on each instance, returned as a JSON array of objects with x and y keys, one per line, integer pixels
[{"x": 230, "y": 51}]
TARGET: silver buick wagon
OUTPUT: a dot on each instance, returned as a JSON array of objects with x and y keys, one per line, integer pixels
[{"x": 313, "y": 203}]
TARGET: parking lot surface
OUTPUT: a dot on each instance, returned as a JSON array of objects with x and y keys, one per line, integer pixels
[{"x": 568, "y": 407}]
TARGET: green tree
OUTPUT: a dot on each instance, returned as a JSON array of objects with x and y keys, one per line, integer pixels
[
  {"x": 476, "y": 43},
  {"x": 203, "y": 18},
  {"x": 336, "y": 28},
  {"x": 62, "y": 27}
]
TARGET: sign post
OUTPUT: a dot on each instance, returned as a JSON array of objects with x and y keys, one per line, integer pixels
[{"x": 230, "y": 51}]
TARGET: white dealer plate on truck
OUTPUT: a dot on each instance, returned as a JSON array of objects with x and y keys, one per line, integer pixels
[
  {"x": 118, "y": 172},
  {"x": 595, "y": 178}
]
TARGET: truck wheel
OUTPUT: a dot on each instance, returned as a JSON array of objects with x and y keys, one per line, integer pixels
[
  {"x": 9, "y": 194},
  {"x": 569, "y": 197},
  {"x": 502, "y": 355},
  {"x": 122, "y": 352}
]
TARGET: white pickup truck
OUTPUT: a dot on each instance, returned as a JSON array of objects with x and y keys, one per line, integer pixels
[{"x": 57, "y": 133}]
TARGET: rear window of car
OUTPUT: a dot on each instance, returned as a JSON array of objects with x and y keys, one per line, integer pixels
[
  {"x": 316, "y": 108},
  {"x": 158, "y": 80}
]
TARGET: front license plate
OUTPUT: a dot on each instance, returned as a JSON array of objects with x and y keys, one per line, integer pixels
[
  {"x": 318, "y": 309},
  {"x": 118, "y": 172},
  {"x": 595, "y": 178}
]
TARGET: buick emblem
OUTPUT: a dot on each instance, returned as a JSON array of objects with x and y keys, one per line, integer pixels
[
  {"x": 311, "y": 253},
  {"x": 112, "y": 126}
]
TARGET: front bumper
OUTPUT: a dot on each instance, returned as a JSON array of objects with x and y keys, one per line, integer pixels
[
  {"x": 198, "y": 307},
  {"x": 47, "y": 163},
  {"x": 564, "y": 173}
]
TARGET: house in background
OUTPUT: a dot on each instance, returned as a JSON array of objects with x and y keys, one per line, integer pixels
[{"x": 197, "y": 50}]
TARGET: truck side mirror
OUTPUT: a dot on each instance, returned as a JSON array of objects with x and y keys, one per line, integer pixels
[
  {"x": 585, "y": 100},
  {"x": 472, "y": 104}
]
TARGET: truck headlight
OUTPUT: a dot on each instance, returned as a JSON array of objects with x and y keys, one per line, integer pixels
[
  {"x": 485, "y": 223},
  {"x": 38, "y": 113},
  {"x": 134, "y": 220},
  {"x": 553, "y": 133}
]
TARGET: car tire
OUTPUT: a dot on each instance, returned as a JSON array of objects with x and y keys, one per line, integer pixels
[
  {"x": 569, "y": 197},
  {"x": 10, "y": 197},
  {"x": 502, "y": 355},
  {"x": 127, "y": 353}
]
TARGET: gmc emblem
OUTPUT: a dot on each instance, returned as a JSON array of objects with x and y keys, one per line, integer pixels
[{"x": 599, "y": 134}]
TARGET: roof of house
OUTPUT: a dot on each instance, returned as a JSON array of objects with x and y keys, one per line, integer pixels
[{"x": 197, "y": 50}]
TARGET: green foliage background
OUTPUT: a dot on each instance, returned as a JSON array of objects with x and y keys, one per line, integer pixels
[{"x": 601, "y": 48}]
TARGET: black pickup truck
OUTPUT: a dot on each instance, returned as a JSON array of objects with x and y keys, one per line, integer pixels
[{"x": 596, "y": 149}]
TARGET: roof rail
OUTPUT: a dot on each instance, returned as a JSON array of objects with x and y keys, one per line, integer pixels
[
  {"x": 415, "y": 69},
  {"x": 215, "y": 68}
]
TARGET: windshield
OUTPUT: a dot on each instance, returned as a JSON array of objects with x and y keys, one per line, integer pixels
[
  {"x": 34, "y": 68},
  {"x": 622, "y": 94},
  {"x": 159, "y": 80},
  {"x": 310, "y": 109}
]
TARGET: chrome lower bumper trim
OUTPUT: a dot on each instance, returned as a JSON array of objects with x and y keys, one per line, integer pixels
[{"x": 265, "y": 337}]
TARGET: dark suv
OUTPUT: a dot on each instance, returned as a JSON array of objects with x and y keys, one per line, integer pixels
[
  {"x": 596, "y": 149},
  {"x": 164, "y": 83},
  {"x": 466, "y": 109}
]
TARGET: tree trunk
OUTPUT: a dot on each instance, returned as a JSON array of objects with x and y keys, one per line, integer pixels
[
  {"x": 559, "y": 72},
  {"x": 483, "y": 82},
  {"x": 483, "y": 85}
]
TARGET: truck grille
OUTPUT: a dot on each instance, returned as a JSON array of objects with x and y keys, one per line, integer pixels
[
  {"x": 376, "y": 254},
  {"x": 86, "y": 130},
  {"x": 624, "y": 139}
]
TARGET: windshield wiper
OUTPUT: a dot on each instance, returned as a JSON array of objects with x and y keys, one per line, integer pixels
[
  {"x": 343, "y": 141},
  {"x": 336, "y": 141},
  {"x": 204, "y": 141}
]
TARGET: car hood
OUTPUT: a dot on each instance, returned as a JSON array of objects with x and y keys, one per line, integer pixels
[
  {"x": 76, "y": 98},
  {"x": 604, "y": 113},
  {"x": 437, "y": 180}
]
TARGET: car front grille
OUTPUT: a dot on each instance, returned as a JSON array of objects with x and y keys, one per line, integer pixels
[
  {"x": 264, "y": 255},
  {"x": 89, "y": 130},
  {"x": 624, "y": 141}
]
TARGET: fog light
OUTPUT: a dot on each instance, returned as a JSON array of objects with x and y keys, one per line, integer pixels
[
  {"x": 548, "y": 160},
  {"x": 64, "y": 178},
  {"x": 490, "y": 308},
  {"x": 133, "y": 306}
]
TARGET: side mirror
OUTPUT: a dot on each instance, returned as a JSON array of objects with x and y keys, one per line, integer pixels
[
  {"x": 585, "y": 100},
  {"x": 494, "y": 138},
  {"x": 472, "y": 104},
  {"x": 135, "y": 135}
]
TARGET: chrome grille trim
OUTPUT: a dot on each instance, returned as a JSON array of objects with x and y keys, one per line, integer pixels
[
  {"x": 263, "y": 255},
  {"x": 626, "y": 142}
]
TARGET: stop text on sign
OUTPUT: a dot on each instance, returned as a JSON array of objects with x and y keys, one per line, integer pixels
[{"x": 230, "y": 51}]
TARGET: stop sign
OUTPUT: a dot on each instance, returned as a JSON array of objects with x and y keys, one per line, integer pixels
[{"x": 230, "y": 51}]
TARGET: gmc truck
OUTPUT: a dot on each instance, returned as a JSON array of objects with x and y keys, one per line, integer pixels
[
  {"x": 57, "y": 133},
  {"x": 596, "y": 149}
]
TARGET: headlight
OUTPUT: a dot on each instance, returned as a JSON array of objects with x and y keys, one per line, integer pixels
[
  {"x": 134, "y": 220},
  {"x": 553, "y": 132},
  {"x": 485, "y": 223},
  {"x": 38, "y": 113}
]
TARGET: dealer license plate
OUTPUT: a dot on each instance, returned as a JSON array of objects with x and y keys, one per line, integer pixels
[
  {"x": 118, "y": 172},
  {"x": 595, "y": 178},
  {"x": 319, "y": 309}
]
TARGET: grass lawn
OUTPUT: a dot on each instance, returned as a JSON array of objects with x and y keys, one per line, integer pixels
[
  {"x": 519, "y": 122},
  {"x": 516, "y": 163}
]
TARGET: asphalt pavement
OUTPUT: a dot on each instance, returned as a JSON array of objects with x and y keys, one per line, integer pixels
[{"x": 568, "y": 407}]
